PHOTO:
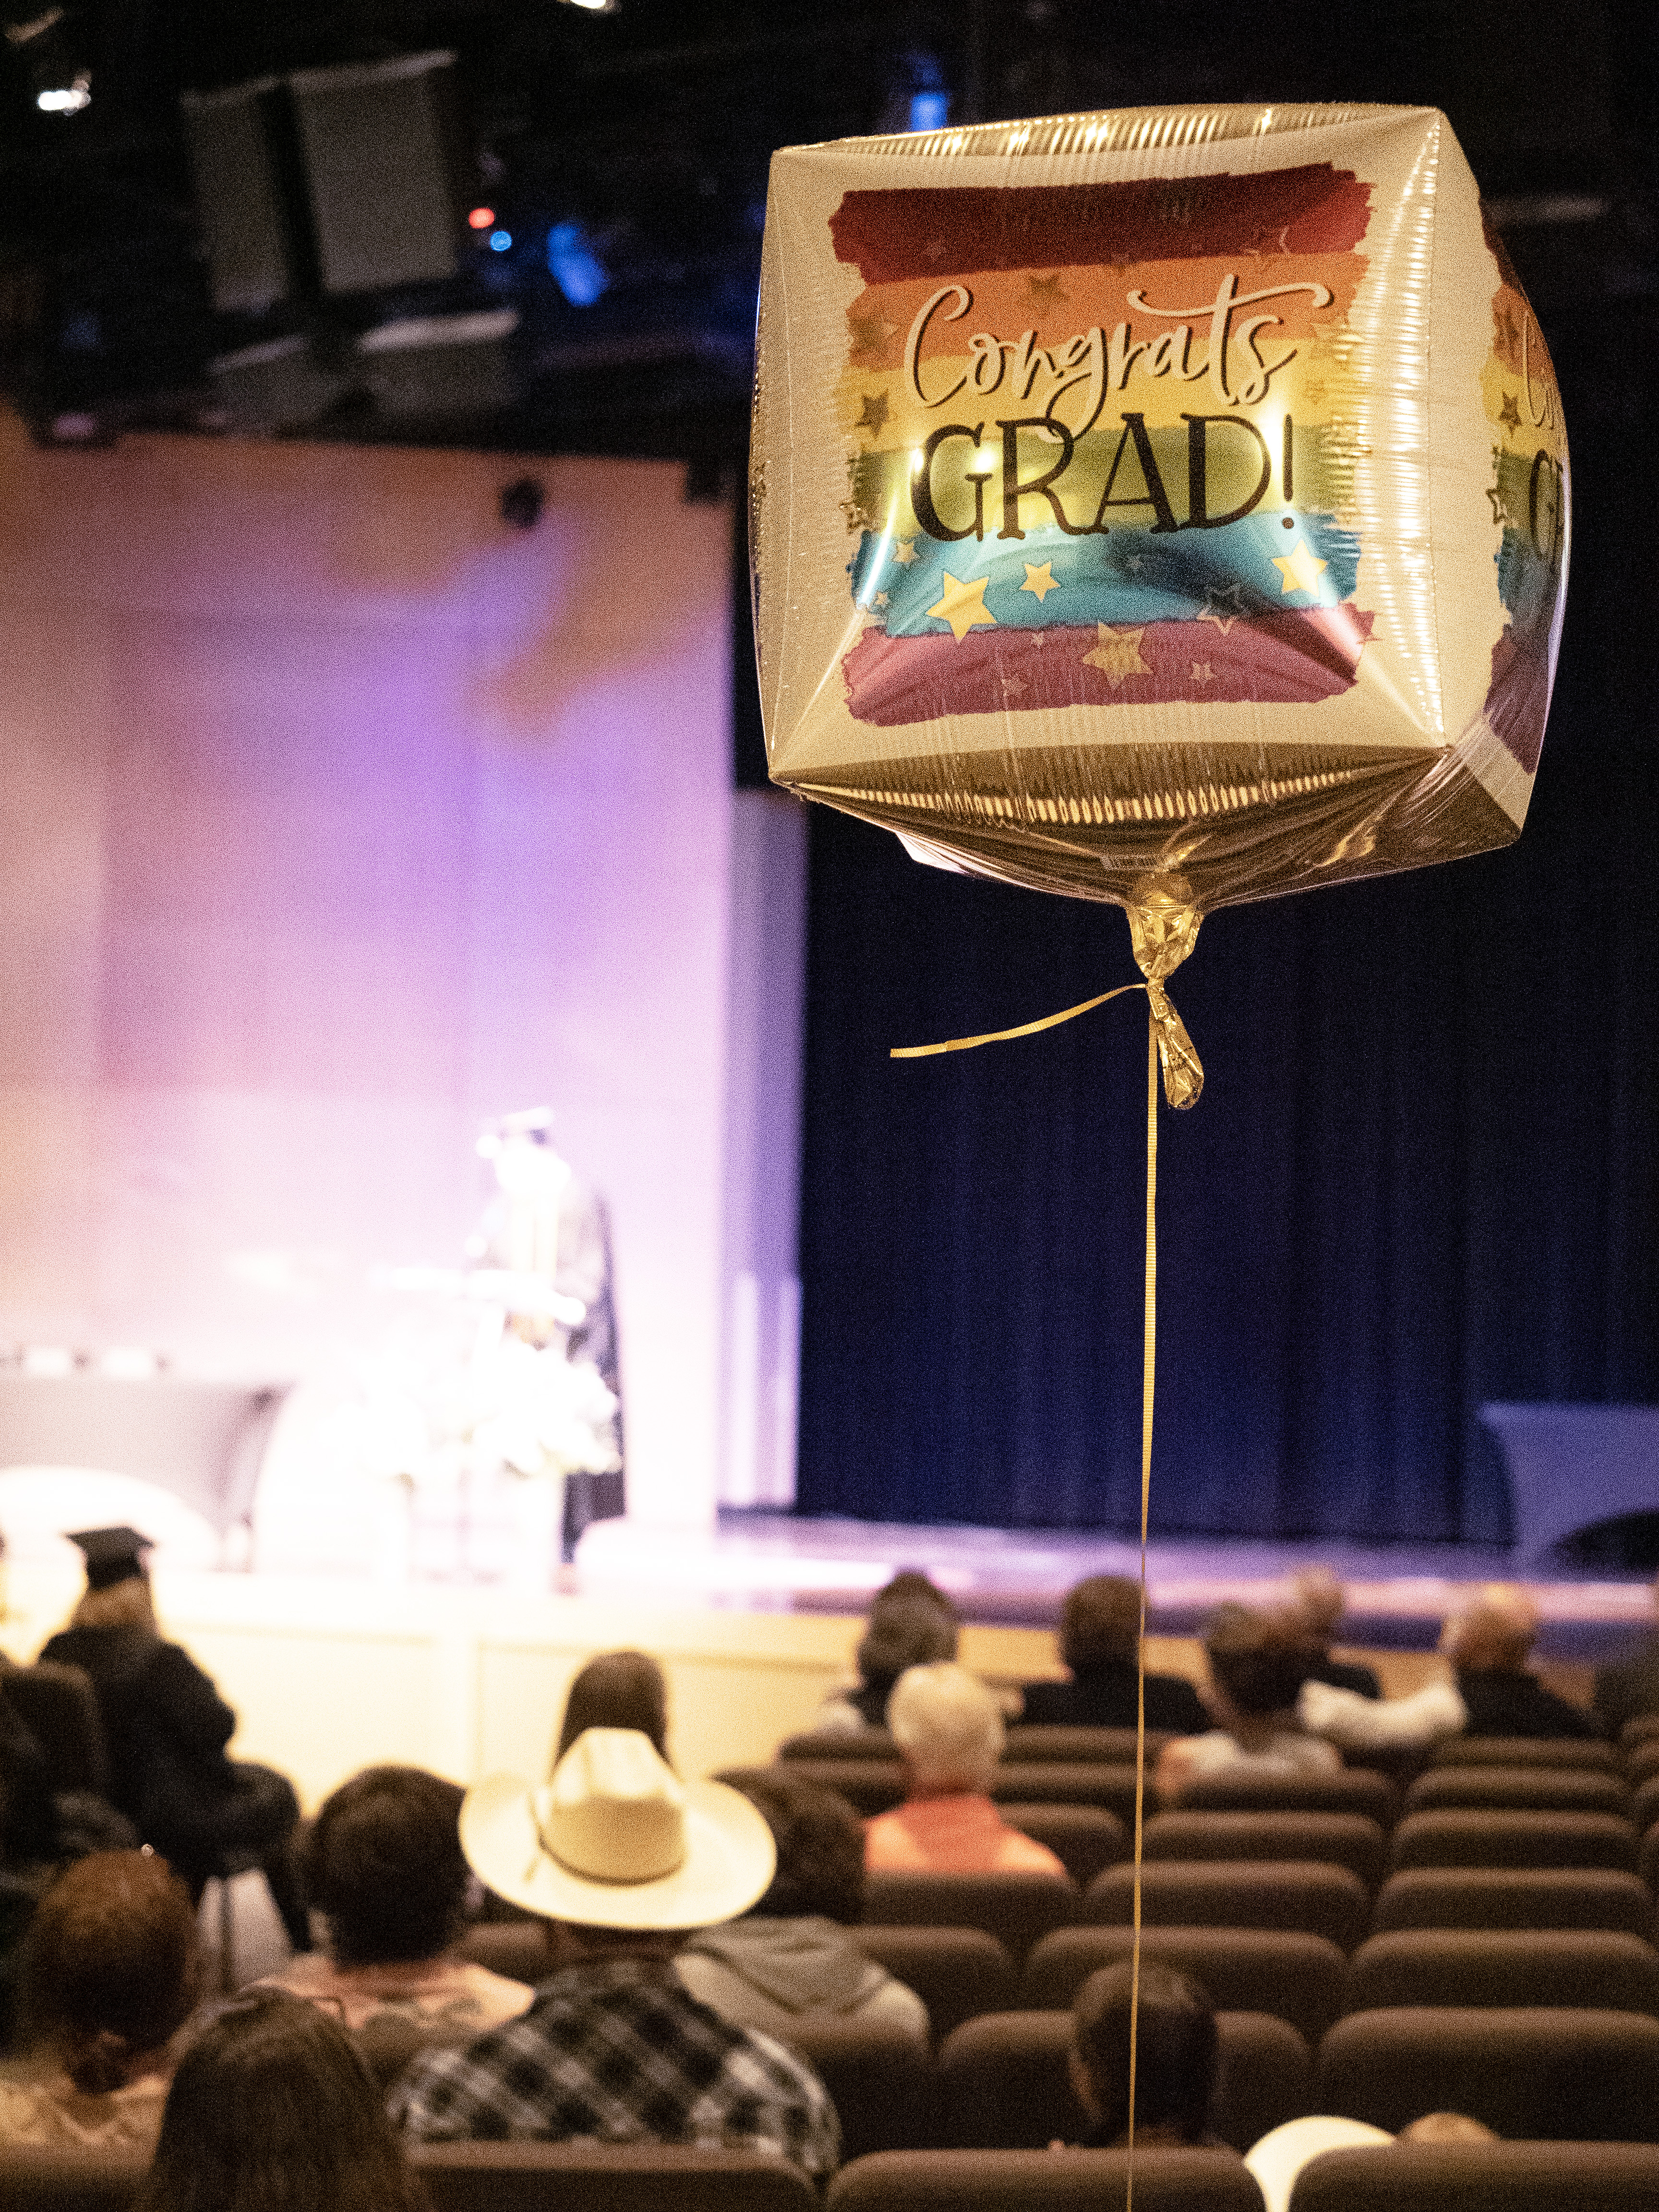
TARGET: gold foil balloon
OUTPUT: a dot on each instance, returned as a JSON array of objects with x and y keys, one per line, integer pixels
[{"x": 1167, "y": 507}]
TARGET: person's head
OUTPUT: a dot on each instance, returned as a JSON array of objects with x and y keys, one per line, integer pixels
[
  {"x": 948, "y": 1729},
  {"x": 616, "y": 1850},
  {"x": 272, "y": 2108},
  {"x": 617, "y": 1690},
  {"x": 117, "y": 1594},
  {"x": 1446, "y": 2127},
  {"x": 1317, "y": 1596},
  {"x": 911, "y": 1629},
  {"x": 109, "y": 1970},
  {"x": 1493, "y": 1634},
  {"x": 385, "y": 1866},
  {"x": 1100, "y": 1622},
  {"x": 820, "y": 1840},
  {"x": 1258, "y": 1663},
  {"x": 1175, "y": 2052}
]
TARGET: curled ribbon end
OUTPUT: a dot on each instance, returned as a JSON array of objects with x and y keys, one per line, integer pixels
[{"x": 1163, "y": 928}]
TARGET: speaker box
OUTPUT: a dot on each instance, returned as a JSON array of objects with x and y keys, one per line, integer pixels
[
  {"x": 241, "y": 154},
  {"x": 389, "y": 187},
  {"x": 438, "y": 366}
]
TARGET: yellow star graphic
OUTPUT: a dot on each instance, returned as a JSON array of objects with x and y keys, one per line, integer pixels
[
  {"x": 875, "y": 411},
  {"x": 1300, "y": 569},
  {"x": 963, "y": 605},
  {"x": 1203, "y": 672},
  {"x": 905, "y": 552},
  {"x": 1040, "y": 579},
  {"x": 1509, "y": 414},
  {"x": 1117, "y": 655},
  {"x": 1046, "y": 292}
]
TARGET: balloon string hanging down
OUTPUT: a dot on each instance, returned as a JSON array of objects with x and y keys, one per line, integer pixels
[{"x": 1163, "y": 936}]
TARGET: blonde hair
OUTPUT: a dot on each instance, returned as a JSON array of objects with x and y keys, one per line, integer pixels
[
  {"x": 1496, "y": 1630},
  {"x": 125, "y": 1605},
  {"x": 947, "y": 1725}
]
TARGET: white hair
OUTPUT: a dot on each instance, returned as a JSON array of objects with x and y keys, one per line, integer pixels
[{"x": 946, "y": 1723}]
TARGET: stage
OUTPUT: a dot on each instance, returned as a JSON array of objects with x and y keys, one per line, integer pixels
[{"x": 1398, "y": 1594}]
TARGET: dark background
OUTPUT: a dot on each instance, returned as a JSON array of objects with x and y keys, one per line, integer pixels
[{"x": 1422, "y": 1173}]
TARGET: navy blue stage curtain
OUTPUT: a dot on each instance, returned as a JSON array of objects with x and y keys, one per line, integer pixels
[{"x": 1422, "y": 1173}]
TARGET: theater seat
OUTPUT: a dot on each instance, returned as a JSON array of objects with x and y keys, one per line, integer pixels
[
  {"x": 880, "y": 2080},
  {"x": 1069, "y": 1782},
  {"x": 1044, "y": 2181},
  {"x": 1334, "y": 1839},
  {"x": 1015, "y": 1908},
  {"x": 1297, "y": 1978},
  {"x": 1458, "y": 1837},
  {"x": 1508, "y": 2177},
  {"x": 1005, "y": 2085},
  {"x": 34, "y": 2180},
  {"x": 1568, "y": 2076},
  {"x": 1322, "y": 1900},
  {"x": 1521, "y": 1789},
  {"x": 840, "y": 1743},
  {"x": 1106, "y": 1747},
  {"x": 1516, "y": 1897},
  {"x": 869, "y": 1785},
  {"x": 1645, "y": 1804},
  {"x": 1524, "y": 1751},
  {"x": 534, "y": 2176},
  {"x": 1578, "y": 1967},
  {"x": 957, "y": 1972},
  {"x": 1356, "y": 1790},
  {"x": 1647, "y": 1858},
  {"x": 1085, "y": 1838},
  {"x": 1642, "y": 1730},
  {"x": 1641, "y": 1761}
]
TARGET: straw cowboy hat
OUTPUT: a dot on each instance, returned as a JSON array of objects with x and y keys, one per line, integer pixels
[{"x": 616, "y": 1840}]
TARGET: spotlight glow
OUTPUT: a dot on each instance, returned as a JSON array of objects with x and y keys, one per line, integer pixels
[
  {"x": 499, "y": 241},
  {"x": 482, "y": 218},
  {"x": 68, "y": 99}
]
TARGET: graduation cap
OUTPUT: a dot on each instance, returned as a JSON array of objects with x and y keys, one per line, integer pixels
[{"x": 112, "y": 1555}]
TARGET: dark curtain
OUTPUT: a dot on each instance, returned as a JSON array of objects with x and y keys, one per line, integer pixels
[{"x": 1422, "y": 1173}]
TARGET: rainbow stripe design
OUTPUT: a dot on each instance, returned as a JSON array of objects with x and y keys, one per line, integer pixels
[{"x": 1098, "y": 451}]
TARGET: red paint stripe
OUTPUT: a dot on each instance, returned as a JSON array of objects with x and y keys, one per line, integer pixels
[
  {"x": 1279, "y": 658},
  {"x": 895, "y": 235}
]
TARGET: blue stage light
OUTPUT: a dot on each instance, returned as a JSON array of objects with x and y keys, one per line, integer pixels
[
  {"x": 577, "y": 270},
  {"x": 499, "y": 241},
  {"x": 929, "y": 111}
]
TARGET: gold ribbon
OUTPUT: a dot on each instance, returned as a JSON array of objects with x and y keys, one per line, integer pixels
[{"x": 1163, "y": 929}]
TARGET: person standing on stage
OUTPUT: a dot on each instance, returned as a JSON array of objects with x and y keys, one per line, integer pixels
[{"x": 166, "y": 1728}]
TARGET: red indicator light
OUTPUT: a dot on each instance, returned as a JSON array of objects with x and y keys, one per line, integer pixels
[{"x": 482, "y": 218}]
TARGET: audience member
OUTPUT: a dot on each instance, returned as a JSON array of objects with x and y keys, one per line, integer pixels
[
  {"x": 1176, "y": 2053},
  {"x": 1099, "y": 1644},
  {"x": 1629, "y": 1686},
  {"x": 623, "y": 1858},
  {"x": 272, "y": 2108},
  {"x": 1276, "y": 2159},
  {"x": 1257, "y": 1668},
  {"x": 386, "y": 1868},
  {"x": 790, "y": 1958},
  {"x": 950, "y": 1736},
  {"x": 1446, "y": 2127},
  {"x": 109, "y": 1978},
  {"x": 617, "y": 1690},
  {"x": 911, "y": 1623},
  {"x": 167, "y": 1728},
  {"x": 1489, "y": 1644},
  {"x": 1319, "y": 1601}
]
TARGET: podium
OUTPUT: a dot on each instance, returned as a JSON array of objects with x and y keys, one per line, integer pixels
[{"x": 1571, "y": 1467}]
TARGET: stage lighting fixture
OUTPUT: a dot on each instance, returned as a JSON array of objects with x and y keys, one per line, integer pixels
[
  {"x": 577, "y": 270},
  {"x": 66, "y": 98},
  {"x": 929, "y": 111}
]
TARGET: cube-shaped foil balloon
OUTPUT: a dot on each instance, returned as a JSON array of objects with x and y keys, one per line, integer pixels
[{"x": 1168, "y": 505}]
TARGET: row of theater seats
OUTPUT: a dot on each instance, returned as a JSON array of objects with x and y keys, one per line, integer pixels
[
  {"x": 1512, "y": 2176},
  {"x": 1536, "y": 2034}
]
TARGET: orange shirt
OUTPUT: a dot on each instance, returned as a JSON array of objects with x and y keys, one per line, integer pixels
[{"x": 959, "y": 1834}]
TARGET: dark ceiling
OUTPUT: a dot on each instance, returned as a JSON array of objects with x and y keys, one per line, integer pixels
[{"x": 649, "y": 127}]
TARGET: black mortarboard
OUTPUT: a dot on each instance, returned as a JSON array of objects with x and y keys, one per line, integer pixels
[{"x": 112, "y": 1555}]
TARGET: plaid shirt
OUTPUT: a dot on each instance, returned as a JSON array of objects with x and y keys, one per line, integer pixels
[{"x": 620, "y": 2051}]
